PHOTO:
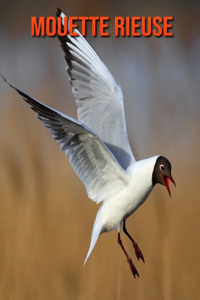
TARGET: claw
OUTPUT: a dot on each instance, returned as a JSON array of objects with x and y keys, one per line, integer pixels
[
  {"x": 131, "y": 265},
  {"x": 138, "y": 252},
  {"x": 133, "y": 269}
]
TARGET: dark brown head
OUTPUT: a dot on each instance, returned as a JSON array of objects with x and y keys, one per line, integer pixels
[{"x": 162, "y": 173}]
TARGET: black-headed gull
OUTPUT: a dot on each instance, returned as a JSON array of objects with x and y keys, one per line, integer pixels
[{"x": 97, "y": 143}]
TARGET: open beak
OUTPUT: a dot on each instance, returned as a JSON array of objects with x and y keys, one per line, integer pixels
[{"x": 166, "y": 180}]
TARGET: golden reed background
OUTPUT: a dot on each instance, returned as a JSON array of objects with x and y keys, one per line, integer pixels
[{"x": 45, "y": 216}]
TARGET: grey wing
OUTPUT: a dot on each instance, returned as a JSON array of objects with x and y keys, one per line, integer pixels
[
  {"x": 98, "y": 97},
  {"x": 94, "y": 164}
]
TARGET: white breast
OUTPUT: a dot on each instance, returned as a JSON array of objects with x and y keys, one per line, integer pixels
[{"x": 120, "y": 207}]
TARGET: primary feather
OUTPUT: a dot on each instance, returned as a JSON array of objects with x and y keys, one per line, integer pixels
[
  {"x": 98, "y": 97},
  {"x": 92, "y": 161}
]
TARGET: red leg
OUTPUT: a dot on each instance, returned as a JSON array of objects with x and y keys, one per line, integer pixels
[
  {"x": 131, "y": 265},
  {"x": 138, "y": 252}
]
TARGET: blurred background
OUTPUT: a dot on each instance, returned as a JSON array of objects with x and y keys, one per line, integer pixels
[{"x": 46, "y": 218}]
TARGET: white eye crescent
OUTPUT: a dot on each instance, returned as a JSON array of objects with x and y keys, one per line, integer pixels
[{"x": 162, "y": 167}]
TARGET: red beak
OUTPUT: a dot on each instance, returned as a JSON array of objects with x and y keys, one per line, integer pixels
[{"x": 166, "y": 180}]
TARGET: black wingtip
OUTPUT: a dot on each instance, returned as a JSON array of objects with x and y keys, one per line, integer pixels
[
  {"x": 3, "y": 78},
  {"x": 8, "y": 82},
  {"x": 15, "y": 88},
  {"x": 59, "y": 11}
]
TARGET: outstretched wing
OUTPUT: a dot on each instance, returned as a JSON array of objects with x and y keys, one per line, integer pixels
[
  {"x": 99, "y": 98},
  {"x": 94, "y": 164}
]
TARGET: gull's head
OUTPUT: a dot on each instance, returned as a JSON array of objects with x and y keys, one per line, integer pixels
[{"x": 162, "y": 173}]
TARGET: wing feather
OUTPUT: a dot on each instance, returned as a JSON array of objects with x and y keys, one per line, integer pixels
[
  {"x": 98, "y": 97},
  {"x": 92, "y": 161}
]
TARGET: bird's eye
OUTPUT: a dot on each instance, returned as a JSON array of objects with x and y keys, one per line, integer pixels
[{"x": 162, "y": 167}]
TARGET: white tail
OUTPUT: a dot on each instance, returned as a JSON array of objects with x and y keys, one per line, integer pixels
[{"x": 96, "y": 231}]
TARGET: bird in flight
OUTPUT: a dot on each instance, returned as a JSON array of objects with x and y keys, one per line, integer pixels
[{"x": 97, "y": 143}]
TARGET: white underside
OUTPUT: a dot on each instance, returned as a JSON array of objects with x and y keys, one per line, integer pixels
[{"x": 113, "y": 211}]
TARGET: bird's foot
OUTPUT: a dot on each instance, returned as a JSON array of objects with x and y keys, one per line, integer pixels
[
  {"x": 129, "y": 260},
  {"x": 133, "y": 268},
  {"x": 138, "y": 252}
]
